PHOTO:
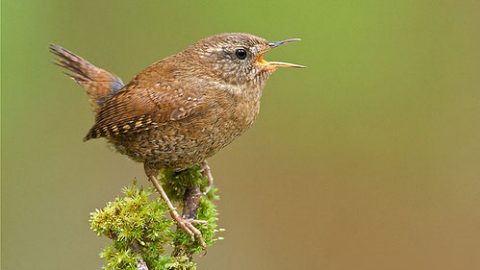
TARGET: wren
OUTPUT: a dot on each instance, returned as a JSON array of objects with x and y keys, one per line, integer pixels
[{"x": 180, "y": 110}]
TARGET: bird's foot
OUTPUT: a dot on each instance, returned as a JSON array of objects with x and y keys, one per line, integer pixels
[
  {"x": 184, "y": 223},
  {"x": 187, "y": 224},
  {"x": 207, "y": 172}
]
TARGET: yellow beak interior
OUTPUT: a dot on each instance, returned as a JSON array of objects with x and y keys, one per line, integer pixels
[{"x": 262, "y": 62}]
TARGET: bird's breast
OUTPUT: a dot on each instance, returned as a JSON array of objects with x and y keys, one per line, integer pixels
[{"x": 245, "y": 113}]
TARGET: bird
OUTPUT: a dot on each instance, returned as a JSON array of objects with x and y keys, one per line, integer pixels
[{"x": 181, "y": 110}]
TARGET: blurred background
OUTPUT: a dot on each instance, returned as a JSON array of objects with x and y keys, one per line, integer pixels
[{"x": 367, "y": 159}]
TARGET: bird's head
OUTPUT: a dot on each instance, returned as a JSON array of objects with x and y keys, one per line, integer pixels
[{"x": 237, "y": 58}]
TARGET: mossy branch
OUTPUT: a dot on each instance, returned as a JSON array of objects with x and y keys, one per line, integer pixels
[{"x": 143, "y": 232}]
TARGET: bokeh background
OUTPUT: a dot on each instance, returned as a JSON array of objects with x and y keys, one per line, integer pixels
[{"x": 367, "y": 159}]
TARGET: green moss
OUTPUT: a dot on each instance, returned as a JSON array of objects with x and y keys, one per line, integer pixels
[
  {"x": 206, "y": 211},
  {"x": 176, "y": 183},
  {"x": 140, "y": 218}
]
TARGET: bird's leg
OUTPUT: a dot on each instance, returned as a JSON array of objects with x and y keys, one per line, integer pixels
[
  {"x": 186, "y": 224},
  {"x": 207, "y": 173}
]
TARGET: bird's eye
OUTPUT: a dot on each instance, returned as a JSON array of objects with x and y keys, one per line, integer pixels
[{"x": 241, "y": 53}]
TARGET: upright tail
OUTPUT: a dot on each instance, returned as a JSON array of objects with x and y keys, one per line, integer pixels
[{"x": 99, "y": 84}]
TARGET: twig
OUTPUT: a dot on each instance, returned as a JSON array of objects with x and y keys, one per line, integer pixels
[
  {"x": 191, "y": 201},
  {"x": 141, "y": 264}
]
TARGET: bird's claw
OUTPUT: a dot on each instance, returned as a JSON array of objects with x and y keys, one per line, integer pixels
[
  {"x": 196, "y": 221},
  {"x": 188, "y": 226},
  {"x": 207, "y": 172}
]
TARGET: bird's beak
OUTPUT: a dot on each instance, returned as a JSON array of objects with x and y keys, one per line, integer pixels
[
  {"x": 261, "y": 61},
  {"x": 278, "y": 43}
]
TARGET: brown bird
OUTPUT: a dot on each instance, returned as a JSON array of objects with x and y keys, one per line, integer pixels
[{"x": 180, "y": 110}]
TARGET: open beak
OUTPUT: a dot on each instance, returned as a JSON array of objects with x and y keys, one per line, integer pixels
[{"x": 275, "y": 65}]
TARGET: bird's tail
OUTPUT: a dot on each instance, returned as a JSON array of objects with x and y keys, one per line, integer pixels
[{"x": 99, "y": 84}]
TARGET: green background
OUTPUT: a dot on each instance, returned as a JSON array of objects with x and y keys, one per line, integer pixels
[{"x": 367, "y": 159}]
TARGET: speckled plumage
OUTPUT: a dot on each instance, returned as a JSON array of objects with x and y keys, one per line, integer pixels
[
  {"x": 177, "y": 112},
  {"x": 181, "y": 110},
  {"x": 192, "y": 129}
]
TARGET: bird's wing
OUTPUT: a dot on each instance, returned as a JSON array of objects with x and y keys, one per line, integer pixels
[{"x": 137, "y": 109}]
